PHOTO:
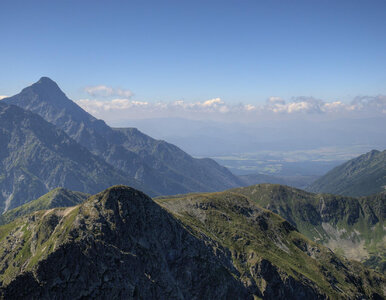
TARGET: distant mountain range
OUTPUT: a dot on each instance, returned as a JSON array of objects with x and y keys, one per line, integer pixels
[
  {"x": 122, "y": 244},
  {"x": 44, "y": 156},
  {"x": 36, "y": 157},
  {"x": 361, "y": 176}
]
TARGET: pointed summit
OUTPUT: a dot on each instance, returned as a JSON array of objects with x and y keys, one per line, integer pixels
[
  {"x": 47, "y": 90},
  {"x": 45, "y": 98},
  {"x": 46, "y": 82},
  {"x": 44, "y": 91}
]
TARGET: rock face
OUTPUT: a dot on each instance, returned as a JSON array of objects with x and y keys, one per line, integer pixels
[
  {"x": 36, "y": 157},
  {"x": 361, "y": 176},
  {"x": 121, "y": 244},
  {"x": 157, "y": 164}
]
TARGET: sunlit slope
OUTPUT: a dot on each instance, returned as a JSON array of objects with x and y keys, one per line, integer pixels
[{"x": 354, "y": 227}]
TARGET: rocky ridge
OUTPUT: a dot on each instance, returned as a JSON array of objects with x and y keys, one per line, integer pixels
[{"x": 122, "y": 244}]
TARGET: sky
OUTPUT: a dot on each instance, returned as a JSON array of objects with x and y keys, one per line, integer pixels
[{"x": 138, "y": 59}]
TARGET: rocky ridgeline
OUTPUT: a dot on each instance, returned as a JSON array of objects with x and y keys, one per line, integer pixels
[{"x": 122, "y": 244}]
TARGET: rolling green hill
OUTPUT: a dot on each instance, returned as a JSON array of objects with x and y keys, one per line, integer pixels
[
  {"x": 122, "y": 244},
  {"x": 361, "y": 176}
]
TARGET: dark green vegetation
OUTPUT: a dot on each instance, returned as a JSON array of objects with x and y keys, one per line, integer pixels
[
  {"x": 36, "y": 157},
  {"x": 354, "y": 227},
  {"x": 156, "y": 164},
  {"x": 121, "y": 244},
  {"x": 361, "y": 176},
  {"x": 58, "y": 197}
]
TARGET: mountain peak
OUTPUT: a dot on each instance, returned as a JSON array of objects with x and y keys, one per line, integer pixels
[
  {"x": 43, "y": 94},
  {"x": 46, "y": 86},
  {"x": 45, "y": 79}
]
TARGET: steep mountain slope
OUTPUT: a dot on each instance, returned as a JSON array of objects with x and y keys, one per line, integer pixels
[
  {"x": 273, "y": 258},
  {"x": 121, "y": 244},
  {"x": 36, "y": 157},
  {"x": 160, "y": 165},
  {"x": 118, "y": 244},
  {"x": 361, "y": 176},
  {"x": 350, "y": 226},
  {"x": 59, "y": 197}
]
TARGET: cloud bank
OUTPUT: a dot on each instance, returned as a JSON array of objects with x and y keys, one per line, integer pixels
[
  {"x": 217, "y": 108},
  {"x": 109, "y": 103}
]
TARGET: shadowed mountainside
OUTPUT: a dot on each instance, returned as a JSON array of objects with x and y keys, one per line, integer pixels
[
  {"x": 157, "y": 164},
  {"x": 361, "y": 176},
  {"x": 37, "y": 157}
]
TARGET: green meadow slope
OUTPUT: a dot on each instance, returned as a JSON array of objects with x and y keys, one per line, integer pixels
[
  {"x": 59, "y": 197},
  {"x": 353, "y": 227}
]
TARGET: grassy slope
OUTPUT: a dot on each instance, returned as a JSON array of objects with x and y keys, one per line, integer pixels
[
  {"x": 58, "y": 197},
  {"x": 29, "y": 239},
  {"x": 254, "y": 234},
  {"x": 350, "y": 226}
]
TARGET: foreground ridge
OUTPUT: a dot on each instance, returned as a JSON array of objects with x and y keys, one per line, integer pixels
[{"x": 122, "y": 244}]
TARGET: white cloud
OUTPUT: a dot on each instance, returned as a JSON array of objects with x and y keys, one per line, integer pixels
[
  {"x": 2, "y": 97},
  {"x": 276, "y": 100},
  {"x": 216, "y": 108},
  {"x": 213, "y": 102},
  {"x": 106, "y": 91},
  {"x": 97, "y": 106},
  {"x": 310, "y": 105},
  {"x": 249, "y": 107},
  {"x": 368, "y": 102}
]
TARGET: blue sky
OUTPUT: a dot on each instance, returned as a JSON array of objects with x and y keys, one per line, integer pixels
[{"x": 239, "y": 51}]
